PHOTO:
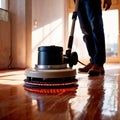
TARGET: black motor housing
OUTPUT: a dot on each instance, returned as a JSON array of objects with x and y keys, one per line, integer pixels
[{"x": 50, "y": 55}]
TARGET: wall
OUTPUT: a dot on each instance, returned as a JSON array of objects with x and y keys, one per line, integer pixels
[
  {"x": 17, "y": 39},
  {"x": 20, "y": 13},
  {"x": 4, "y": 44},
  {"x": 24, "y": 14},
  {"x": 18, "y": 33},
  {"x": 47, "y": 24}
]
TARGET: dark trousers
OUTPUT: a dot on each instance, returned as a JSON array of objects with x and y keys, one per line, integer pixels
[{"x": 91, "y": 24}]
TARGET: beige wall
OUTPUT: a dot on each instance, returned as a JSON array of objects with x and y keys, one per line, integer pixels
[
  {"x": 47, "y": 24},
  {"x": 18, "y": 32},
  {"x": 47, "y": 11},
  {"x": 16, "y": 37},
  {"x": 4, "y": 44}
]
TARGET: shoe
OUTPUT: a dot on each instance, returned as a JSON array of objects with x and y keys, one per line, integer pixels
[
  {"x": 86, "y": 68},
  {"x": 96, "y": 70}
]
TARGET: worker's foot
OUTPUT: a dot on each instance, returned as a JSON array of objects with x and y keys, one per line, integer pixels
[
  {"x": 86, "y": 68},
  {"x": 96, "y": 70}
]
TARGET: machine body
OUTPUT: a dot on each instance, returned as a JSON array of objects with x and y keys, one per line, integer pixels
[{"x": 54, "y": 71}]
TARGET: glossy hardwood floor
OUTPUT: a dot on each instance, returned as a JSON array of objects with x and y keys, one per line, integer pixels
[{"x": 96, "y": 98}]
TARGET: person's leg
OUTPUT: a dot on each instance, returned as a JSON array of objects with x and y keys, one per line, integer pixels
[
  {"x": 94, "y": 14},
  {"x": 86, "y": 30},
  {"x": 87, "y": 35},
  {"x": 90, "y": 17}
]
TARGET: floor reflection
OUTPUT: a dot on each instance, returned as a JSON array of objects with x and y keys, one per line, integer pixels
[
  {"x": 91, "y": 104},
  {"x": 53, "y": 106},
  {"x": 13, "y": 103}
]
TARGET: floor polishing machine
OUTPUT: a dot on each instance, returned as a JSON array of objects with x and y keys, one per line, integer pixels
[{"x": 54, "y": 72}]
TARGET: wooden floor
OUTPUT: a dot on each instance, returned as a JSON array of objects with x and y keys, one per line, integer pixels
[{"x": 96, "y": 98}]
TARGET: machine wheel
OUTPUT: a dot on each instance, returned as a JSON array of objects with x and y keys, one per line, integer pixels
[{"x": 73, "y": 59}]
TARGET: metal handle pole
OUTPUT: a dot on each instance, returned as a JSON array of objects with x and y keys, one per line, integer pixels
[{"x": 74, "y": 17}]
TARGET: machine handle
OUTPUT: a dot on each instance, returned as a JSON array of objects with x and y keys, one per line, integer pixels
[{"x": 74, "y": 17}]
